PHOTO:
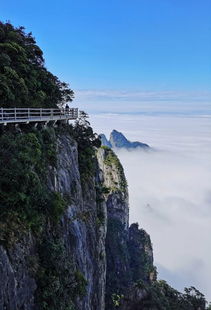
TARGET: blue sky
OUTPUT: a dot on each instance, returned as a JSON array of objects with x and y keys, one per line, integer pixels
[{"x": 145, "y": 45}]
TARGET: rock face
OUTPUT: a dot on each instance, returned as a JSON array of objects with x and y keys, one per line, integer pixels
[
  {"x": 118, "y": 140},
  {"x": 17, "y": 286},
  {"x": 83, "y": 234},
  {"x": 141, "y": 255},
  {"x": 128, "y": 249},
  {"x": 86, "y": 259}
]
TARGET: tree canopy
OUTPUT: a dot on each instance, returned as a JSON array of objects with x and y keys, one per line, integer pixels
[{"x": 24, "y": 79}]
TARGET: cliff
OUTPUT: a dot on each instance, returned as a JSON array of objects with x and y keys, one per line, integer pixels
[
  {"x": 128, "y": 249},
  {"x": 63, "y": 264},
  {"x": 56, "y": 258},
  {"x": 65, "y": 240}
]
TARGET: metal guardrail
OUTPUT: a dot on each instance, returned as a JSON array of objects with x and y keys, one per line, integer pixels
[{"x": 26, "y": 115}]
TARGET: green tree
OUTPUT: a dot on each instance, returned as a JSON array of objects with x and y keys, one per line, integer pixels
[
  {"x": 24, "y": 80},
  {"x": 83, "y": 132},
  {"x": 195, "y": 298},
  {"x": 87, "y": 141}
]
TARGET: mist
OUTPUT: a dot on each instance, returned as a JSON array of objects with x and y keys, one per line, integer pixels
[{"x": 170, "y": 192}]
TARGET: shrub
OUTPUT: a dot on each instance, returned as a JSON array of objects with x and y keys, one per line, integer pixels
[{"x": 24, "y": 194}]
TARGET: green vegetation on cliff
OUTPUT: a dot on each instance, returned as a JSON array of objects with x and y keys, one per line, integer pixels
[
  {"x": 87, "y": 142},
  {"x": 160, "y": 295},
  {"x": 24, "y": 80},
  {"x": 111, "y": 159},
  {"x": 29, "y": 206},
  {"x": 59, "y": 282},
  {"x": 24, "y": 195}
]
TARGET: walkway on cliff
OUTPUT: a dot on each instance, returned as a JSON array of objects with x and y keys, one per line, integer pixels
[{"x": 35, "y": 115}]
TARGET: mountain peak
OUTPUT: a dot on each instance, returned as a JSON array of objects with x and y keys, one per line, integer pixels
[
  {"x": 118, "y": 140},
  {"x": 104, "y": 140}
]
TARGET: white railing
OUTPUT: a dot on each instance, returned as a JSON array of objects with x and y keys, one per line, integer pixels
[{"x": 22, "y": 115}]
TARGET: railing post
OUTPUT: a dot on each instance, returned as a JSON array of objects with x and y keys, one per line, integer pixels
[
  {"x": 41, "y": 113},
  {"x": 15, "y": 113},
  {"x": 2, "y": 114}
]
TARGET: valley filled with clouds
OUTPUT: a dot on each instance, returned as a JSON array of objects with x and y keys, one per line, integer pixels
[{"x": 169, "y": 187}]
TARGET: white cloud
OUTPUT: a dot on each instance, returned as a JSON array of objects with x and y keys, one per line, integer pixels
[{"x": 170, "y": 191}]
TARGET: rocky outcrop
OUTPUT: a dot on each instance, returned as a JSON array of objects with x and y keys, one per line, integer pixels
[
  {"x": 141, "y": 255},
  {"x": 114, "y": 181},
  {"x": 118, "y": 272},
  {"x": 128, "y": 249}
]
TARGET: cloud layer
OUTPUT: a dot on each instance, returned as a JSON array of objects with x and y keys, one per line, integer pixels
[
  {"x": 170, "y": 192},
  {"x": 148, "y": 102}
]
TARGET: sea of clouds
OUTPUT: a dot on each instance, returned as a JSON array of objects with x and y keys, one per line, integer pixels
[
  {"x": 170, "y": 186},
  {"x": 170, "y": 190}
]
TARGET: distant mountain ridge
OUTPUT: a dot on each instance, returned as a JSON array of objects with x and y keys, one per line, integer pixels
[{"x": 118, "y": 140}]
